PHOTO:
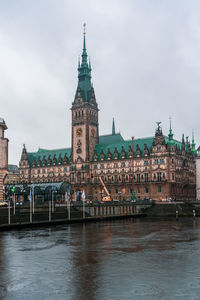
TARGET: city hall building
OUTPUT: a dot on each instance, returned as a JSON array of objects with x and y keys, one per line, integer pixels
[{"x": 157, "y": 167}]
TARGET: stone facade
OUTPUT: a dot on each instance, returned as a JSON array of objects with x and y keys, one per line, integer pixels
[
  {"x": 3, "y": 157},
  {"x": 157, "y": 167},
  {"x": 198, "y": 173}
]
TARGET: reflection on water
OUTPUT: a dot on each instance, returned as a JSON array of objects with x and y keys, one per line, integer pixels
[{"x": 125, "y": 259}]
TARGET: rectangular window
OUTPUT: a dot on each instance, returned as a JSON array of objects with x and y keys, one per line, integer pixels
[
  {"x": 156, "y": 161},
  {"x": 102, "y": 166},
  {"x": 146, "y": 177},
  {"x": 95, "y": 167},
  {"x": 162, "y": 161},
  {"x": 146, "y": 162},
  {"x": 173, "y": 177},
  {"x": 159, "y": 189},
  {"x": 123, "y": 164},
  {"x": 138, "y": 177},
  {"x": 116, "y": 191},
  {"x": 146, "y": 190},
  {"x": 159, "y": 176}
]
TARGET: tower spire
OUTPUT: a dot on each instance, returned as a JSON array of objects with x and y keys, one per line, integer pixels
[
  {"x": 84, "y": 73},
  {"x": 113, "y": 127}
]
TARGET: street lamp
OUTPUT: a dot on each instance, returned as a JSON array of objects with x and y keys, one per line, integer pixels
[{"x": 120, "y": 193}]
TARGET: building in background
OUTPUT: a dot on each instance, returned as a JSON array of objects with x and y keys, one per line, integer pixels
[
  {"x": 12, "y": 175},
  {"x": 157, "y": 167},
  {"x": 3, "y": 157},
  {"x": 198, "y": 174}
]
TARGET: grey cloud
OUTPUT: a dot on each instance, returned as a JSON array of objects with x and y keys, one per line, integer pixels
[{"x": 145, "y": 60}]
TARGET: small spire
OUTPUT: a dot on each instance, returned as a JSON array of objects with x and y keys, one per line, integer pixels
[
  {"x": 183, "y": 139},
  {"x": 24, "y": 153},
  {"x": 193, "y": 142},
  {"x": 113, "y": 127},
  {"x": 170, "y": 129}
]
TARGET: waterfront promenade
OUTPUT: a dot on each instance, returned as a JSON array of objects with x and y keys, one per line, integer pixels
[
  {"x": 49, "y": 214},
  {"x": 22, "y": 216}
]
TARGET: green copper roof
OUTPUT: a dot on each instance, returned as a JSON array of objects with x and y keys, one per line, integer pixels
[
  {"x": 110, "y": 138},
  {"x": 122, "y": 143},
  {"x": 44, "y": 153},
  {"x": 111, "y": 143},
  {"x": 107, "y": 143}
]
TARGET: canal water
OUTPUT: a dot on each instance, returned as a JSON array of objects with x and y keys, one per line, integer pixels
[{"x": 123, "y": 259}]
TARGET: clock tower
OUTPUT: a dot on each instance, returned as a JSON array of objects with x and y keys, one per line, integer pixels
[{"x": 85, "y": 128}]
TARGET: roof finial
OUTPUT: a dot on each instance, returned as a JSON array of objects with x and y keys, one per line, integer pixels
[
  {"x": 84, "y": 47},
  {"x": 158, "y": 124},
  {"x": 84, "y": 53},
  {"x": 84, "y": 25}
]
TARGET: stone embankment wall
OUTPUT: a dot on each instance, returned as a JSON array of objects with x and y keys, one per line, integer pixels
[
  {"x": 173, "y": 210},
  {"x": 45, "y": 214}
]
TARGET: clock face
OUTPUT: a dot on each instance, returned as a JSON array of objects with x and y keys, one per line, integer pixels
[
  {"x": 93, "y": 132},
  {"x": 79, "y": 132}
]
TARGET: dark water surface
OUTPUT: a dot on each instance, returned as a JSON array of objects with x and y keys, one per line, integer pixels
[{"x": 124, "y": 259}]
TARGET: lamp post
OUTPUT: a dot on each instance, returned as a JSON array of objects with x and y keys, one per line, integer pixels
[
  {"x": 120, "y": 193},
  {"x": 83, "y": 197},
  {"x": 52, "y": 193},
  {"x": 33, "y": 194},
  {"x": 68, "y": 205}
]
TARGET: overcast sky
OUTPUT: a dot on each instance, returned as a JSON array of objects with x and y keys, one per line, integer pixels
[{"x": 145, "y": 59}]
